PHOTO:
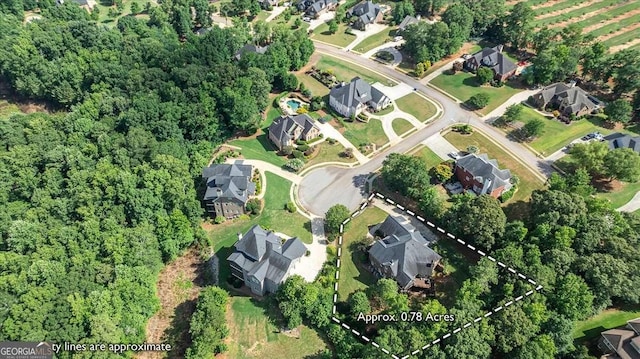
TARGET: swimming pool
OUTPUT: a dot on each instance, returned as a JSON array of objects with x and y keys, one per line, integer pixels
[{"x": 295, "y": 105}]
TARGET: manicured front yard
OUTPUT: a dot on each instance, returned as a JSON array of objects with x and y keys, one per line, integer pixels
[
  {"x": 463, "y": 85},
  {"x": 259, "y": 148},
  {"x": 528, "y": 182},
  {"x": 316, "y": 87},
  {"x": 253, "y": 334},
  {"x": 329, "y": 153},
  {"x": 345, "y": 71},
  {"x": 359, "y": 133},
  {"x": 353, "y": 275},
  {"x": 340, "y": 38},
  {"x": 430, "y": 158},
  {"x": 417, "y": 106},
  {"x": 400, "y": 126},
  {"x": 375, "y": 40},
  {"x": 608, "y": 319}
]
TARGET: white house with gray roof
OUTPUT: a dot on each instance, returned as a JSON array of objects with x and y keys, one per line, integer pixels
[
  {"x": 352, "y": 98},
  {"x": 403, "y": 254},
  {"x": 228, "y": 189},
  {"x": 263, "y": 261}
]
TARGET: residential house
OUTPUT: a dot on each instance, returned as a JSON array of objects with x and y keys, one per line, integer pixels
[
  {"x": 366, "y": 13},
  {"x": 493, "y": 58},
  {"x": 263, "y": 261},
  {"x": 403, "y": 253},
  {"x": 408, "y": 20},
  {"x": 621, "y": 140},
  {"x": 352, "y": 98},
  {"x": 621, "y": 343},
  {"x": 250, "y": 48},
  {"x": 286, "y": 130},
  {"x": 568, "y": 99},
  {"x": 482, "y": 175},
  {"x": 86, "y": 4},
  {"x": 229, "y": 187},
  {"x": 315, "y": 8},
  {"x": 265, "y": 4}
]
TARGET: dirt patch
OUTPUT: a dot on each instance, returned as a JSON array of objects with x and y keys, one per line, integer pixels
[
  {"x": 313, "y": 60},
  {"x": 585, "y": 16},
  {"x": 629, "y": 14},
  {"x": 543, "y": 5},
  {"x": 569, "y": 9},
  {"x": 179, "y": 284},
  {"x": 619, "y": 32},
  {"x": 602, "y": 184},
  {"x": 614, "y": 49},
  {"x": 465, "y": 49}
]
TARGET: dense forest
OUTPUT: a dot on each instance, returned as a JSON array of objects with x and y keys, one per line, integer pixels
[
  {"x": 99, "y": 194},
  {"x": 584, "y": 253}
]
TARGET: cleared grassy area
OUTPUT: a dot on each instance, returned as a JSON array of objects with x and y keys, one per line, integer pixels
[
  {"x": 259, "y": 148},
  {"x": 557, "y": 134},
  {"x": 616, "y": 26},
  {"x": 620, "y": 197},
  {"x": 428, "y": 156},
  {"x": 316, "y": 87},
  {"x": 7, "y": 109},
  {"x": 607, "y": 319},
  {"x": 345, "y": 71},
  {"x": 574, "y": 13},
  {"x": 622, "y": 38},
  {"x": 328, "y": 153},
  {"x": 528, "y": 183},
  {"x": 610, "y": 14},
  {"x": 400, "y": 126},
  {"x": 376, "y": 40},
  {"x": 104, "y": 10},
  {"x": 254, "y": 334},
  {"x": 463, "y": 85},
  {"x": 281, "y": 21},
  {"x": 363, "y": 133},
  {"x": 340, "y": 38},
  {"x": 417, "y": 106},
  {"x": 353, "y": 275},
  {"x": 263, "y": 15}
]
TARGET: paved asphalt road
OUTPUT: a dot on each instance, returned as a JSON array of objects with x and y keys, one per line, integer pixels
[{"x": 324, "y": 187}]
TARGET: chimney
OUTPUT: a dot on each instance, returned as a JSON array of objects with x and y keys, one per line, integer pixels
[{"x": 239, "y": 236}]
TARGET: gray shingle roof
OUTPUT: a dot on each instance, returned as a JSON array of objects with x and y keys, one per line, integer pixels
[
  {"x": 366, "y": 11},
  {"x": 408, "y": 20},
  {"x": 229, "y": 181},
  {"x": 621, "y": 140},
  {"x": 356, "y": 92},
  {"x": 493, "y": 58},
  {"x": 261, "y": 254},
  {"x": 404, "y": 251},
  {"x": 486, "y": 171},
  {"x": 284, "y": 126},
  {"x": 250, "y": 48},
  {"x": 574, "y": 98}
]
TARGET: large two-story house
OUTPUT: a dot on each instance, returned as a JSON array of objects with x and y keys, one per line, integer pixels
[
  {"x": 622, "y": 343},
  {"x": 315, "y": 8},
  {"x": 365, "y": 13},
  {"x": 568, "y": 99},
  {"x": 263, "y": 261},
  {"x": 403, "y": 253},
  {"x": 493, "y": 58},
  {"x": 228, "y": 189},
  {"x": 352, "y": 98},
  {"x": 286, "y": 130},
  {"x": 482, "y": 175}
]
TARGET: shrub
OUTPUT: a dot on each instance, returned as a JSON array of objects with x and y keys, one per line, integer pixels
[
  {"x": 219, "y": 220},
  {"x": 472, "y": 149},
  {"x": 301, "y": 142},
  {"x": 331, "y": 141},
  {"x": 309, "y": 152},
  {"x": 478, "y": 101},
  {"x": 303, "y": 148},
  {"x": 287, "y": 150},
  {"x": 464, "y": 129},
  {"x": 298, "y": 154},
  {"x": 294, "y": 164},
  {"x": 254, "y": 206},
  {"x": 348, "y": 152},
  {"x": 290, "y": 207},
  {"x": 508, "y": 194}
]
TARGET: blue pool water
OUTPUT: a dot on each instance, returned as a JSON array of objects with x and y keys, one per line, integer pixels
[{"x": 293, "y": 104}]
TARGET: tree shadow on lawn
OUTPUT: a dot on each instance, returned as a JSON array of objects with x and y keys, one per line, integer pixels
[
  {"x": 471, "y": 82},
  {"x": 517, "y": 211},
  {"x": 360, "y": 259},
  {"x": 360, "y": 181}
]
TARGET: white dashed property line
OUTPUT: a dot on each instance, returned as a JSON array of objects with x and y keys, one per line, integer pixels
[
  {"x": 370, "y": 197},
  {"x": 340, "y": 240},
  {"x": 333, "y": 311},
  {"x": 457, "y": 330}
]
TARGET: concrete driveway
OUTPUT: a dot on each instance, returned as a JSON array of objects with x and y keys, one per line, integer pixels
[
  {"x": 387, "y": 46},
  {"x": 515, "y": 99},
  {"x": 631, "y": 206},
  {"x": 361, "y": 35},
  {"x": 330, "y": 132},
  {"x": 310, "y": 265},
  {"x": 277, "y": 10},
  {"x": 440, "y": 146},
  {"x": 325, "y": 17},
  {"x": 394, "y": 92}
]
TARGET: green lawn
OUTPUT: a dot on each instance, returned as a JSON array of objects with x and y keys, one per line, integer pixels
[
  {"x": 263, "y": 15},
  {"x": 386, "y": 111},
  {"x": 104, "y": 10},
  {"x": 428, "y": 156},
  {"x": 375, "y": 40},
  {"x": 353, "y": 275},
  {"x": 340, "y": 38},
  {"x": 345, "y": 71},
  {"x": 363, "y": 133},
  {"x": 259, "y": 148},
  {"x": 328, "y": 153},
  {"x": 456, "y": 266},
  {"x": 281, "y": 21},
  {"x": 316, "y": 87},
  {"x": 622, "y": 38},
  {"x": 463, "y": 85},
  {"x": 528, "y": 183},
  {"x": 7, "y": 109},
  {"x": 273, "y": 216},
  {"x": 557, "y": 134},
  {"x": 608, "y": 319},
  {"x": 417, "y": 106},
  {"x": 621, "y": 196},
  {"x": 400, "y": 126},
  {"x": 254, "y": 334}
]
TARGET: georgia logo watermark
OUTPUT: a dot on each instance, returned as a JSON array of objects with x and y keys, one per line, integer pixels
[{"x": 26, "y": 350}]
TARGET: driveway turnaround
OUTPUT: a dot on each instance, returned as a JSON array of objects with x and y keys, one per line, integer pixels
[
  {"x": 394, "y": 92},
  {"x": 440, "y": 146}
]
